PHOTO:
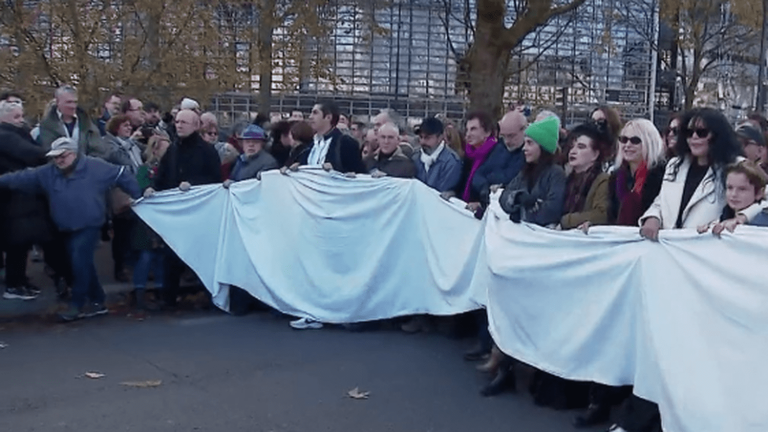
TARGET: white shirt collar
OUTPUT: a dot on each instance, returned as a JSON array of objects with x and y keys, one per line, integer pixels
[{"x": 61, "y": 115}]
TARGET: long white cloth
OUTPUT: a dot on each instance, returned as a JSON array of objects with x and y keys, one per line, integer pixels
[{"x": 684, "y": 320}]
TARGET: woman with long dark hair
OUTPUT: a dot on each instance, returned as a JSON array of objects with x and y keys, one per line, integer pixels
[
  {"x": 670, "y": 135},
  {"x": 535, "y": 196},
  {"x": 692, "y": 194},
  {"x": 586, "y": 197}
]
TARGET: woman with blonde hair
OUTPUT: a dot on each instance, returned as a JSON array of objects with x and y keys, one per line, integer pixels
[{"x": 635, "y": 183}]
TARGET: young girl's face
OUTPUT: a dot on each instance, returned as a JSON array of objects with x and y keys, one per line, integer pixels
[{"x": 739, "y": 192}]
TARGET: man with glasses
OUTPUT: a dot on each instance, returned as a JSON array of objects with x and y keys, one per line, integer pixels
[{"x": 190, "y": 161}]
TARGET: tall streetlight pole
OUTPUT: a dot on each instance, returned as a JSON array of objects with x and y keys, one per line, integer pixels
[{"x": 760, "y": 101}]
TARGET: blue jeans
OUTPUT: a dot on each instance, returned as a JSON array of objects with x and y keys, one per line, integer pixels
[
  {"x": 148, "y": 259},
  {"x": 81, "y": 246}
]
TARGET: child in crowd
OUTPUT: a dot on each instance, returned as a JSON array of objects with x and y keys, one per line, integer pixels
[{"x": 744, "y": 185}]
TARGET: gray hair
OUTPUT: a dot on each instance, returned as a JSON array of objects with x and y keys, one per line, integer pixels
[
  {"x": 390, "y": 125},
  {"x": 394, "y": 117},
  {"x": 66, "y": 88},
  {"x": 545, "y": 114},
  {"x": 7, "y": 108}
]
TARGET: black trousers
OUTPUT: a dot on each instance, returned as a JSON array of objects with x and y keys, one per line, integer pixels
[
  {"x": 122, "y": 227},
  {"x": 601, "y": 394},
  {"x": 173, "y": 268},
  {"x": 639, "y": 415},
  {"x": 16, "y": 266}
]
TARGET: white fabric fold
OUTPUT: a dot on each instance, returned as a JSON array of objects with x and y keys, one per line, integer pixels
[{"x": 685, "y": 320}]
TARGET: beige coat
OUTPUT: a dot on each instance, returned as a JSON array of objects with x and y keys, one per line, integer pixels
[{"x": 706, "y": 204}]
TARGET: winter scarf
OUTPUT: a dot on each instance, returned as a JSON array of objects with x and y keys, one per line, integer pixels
[
  {"x": 577, "y": 188},
  {"x": 630, "y": 200},
  {"x": 477, "y": 156}
]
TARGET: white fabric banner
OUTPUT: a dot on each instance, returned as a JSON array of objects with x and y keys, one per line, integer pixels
[
  {"x": 324, "y": 246},
  {"x": 685, "y": 320}
]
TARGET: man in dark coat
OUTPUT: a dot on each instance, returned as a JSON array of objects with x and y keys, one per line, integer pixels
[
  {"x": 506, "y": 159},
  {"x": 189, "y": 162},
  {"x": 332, "y": 149},
  {"x": 24, "y": 219},
  {"x": 390, "y": 160}
]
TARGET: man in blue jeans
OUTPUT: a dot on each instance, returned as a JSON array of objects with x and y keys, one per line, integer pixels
[{"x": 77, "y": 187}]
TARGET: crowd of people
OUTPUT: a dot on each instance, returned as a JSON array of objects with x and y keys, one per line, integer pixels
[{"x": 70, "y": 182}]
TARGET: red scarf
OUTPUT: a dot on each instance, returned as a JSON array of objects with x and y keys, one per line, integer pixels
[{"x": 630, "y": 201}]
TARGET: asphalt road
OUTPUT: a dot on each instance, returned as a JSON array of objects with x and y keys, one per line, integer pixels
[{"x": 221, "y": 373}]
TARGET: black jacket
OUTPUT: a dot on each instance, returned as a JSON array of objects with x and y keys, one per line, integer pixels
[
  {"x": 343, "y": 153},
  {"x": 24, "y": 218},
  {"x": 297, "y": 153},
  {"x": 396, "y": 165},
  {"x": 499, "y": 168},
  {"x": 191, "y": 160}
]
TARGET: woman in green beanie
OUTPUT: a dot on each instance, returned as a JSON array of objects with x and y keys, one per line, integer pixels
[{"x": 535, "y": 196}]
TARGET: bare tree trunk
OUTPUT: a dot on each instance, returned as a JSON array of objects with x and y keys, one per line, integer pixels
[
  {"x": 264, "y": 46},
  {"x": 488, "y": 74}
]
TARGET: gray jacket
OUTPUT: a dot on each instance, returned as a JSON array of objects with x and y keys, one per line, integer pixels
[
  {"x": 51, "y": 128},
  {"x": 119, "y": 152},
  {"x": 445, "y": 172},
  {"x": 248, "y": 167},
  {"x": 543, "y": 203}
]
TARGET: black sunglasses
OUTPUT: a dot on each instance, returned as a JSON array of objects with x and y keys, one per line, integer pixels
[
  {"x": 634, "y": 140},
  {"x": 700, "y": 132},
  {"x": 673, "y": 131}
]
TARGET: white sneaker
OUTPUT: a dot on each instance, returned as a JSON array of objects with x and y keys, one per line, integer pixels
[{"x": 306, "y": 323}]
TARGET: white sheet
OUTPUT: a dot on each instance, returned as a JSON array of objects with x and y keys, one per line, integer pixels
[{"x": 684, "y": 320}]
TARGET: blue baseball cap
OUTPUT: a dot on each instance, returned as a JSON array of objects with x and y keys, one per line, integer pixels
[{"x": 253, "y": 132}]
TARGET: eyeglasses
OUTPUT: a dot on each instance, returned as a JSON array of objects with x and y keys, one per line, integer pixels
[
  {"x": 634, "y": 140},
  {"x": 673, "y": 131},
  {"x": 700, "y": 132}
]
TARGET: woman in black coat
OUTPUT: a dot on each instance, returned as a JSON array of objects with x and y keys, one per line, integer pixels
[{"x": 24, "y": 219}]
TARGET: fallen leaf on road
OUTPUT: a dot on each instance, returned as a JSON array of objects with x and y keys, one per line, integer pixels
[
  {"x": 355, "y": 393},
  {"x": 142, "y": 384},
  {"x": 94, "y": 375}
]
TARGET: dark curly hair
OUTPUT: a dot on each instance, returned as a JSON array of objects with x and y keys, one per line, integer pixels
[
  {"x": 724, "y": 147},
  {"x": 602, "y": 141}
]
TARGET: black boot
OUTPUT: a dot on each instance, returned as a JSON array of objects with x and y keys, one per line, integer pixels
[
  {"x": 596, "y": 414},
  {"x": 480, "y": 352},
  {"x": 503, "y": 381}
]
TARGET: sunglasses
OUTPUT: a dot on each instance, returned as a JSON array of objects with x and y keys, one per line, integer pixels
[
  {"x": 634, "y": 140},
  {"x": 700, "y": 132},
  {"x": 673, "y": 131}
]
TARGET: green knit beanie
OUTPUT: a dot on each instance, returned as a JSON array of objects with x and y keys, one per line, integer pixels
[{"x": 546, "y": 133}]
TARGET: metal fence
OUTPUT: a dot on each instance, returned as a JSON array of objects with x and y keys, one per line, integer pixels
[{"x": 600, "y": 54}]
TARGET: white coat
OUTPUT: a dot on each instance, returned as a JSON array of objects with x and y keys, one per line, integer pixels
[{"x": 705, "y": 206}]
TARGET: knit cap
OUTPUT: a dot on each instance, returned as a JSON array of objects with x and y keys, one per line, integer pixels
[{"x": 546, "y": 133}]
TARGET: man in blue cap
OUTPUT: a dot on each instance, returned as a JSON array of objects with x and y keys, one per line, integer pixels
[{"x": 76, "y": 187}]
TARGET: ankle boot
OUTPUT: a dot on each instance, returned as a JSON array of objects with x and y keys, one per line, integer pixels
[
  {"x": 503, "y": 381},
  {"x": 140, "y": 299},
  {"x": 492, "y": 365},
  {"x": 596, "y": 414}
]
